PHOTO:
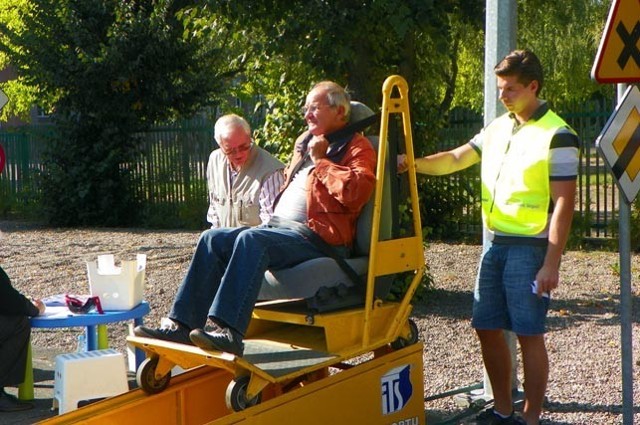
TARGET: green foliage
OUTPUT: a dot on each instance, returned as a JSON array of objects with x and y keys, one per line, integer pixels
[
  {"x": 284, "y": 121},
  {"x": 402, "y": 282},
  {"x": 469, "y": 92},
  {"x": 111, "y": 68},
  {"x": 564, "y": 35},
  {"x": 86, "y": 157},
  {"x": 25, "y": 205},
  {"x": 634, "y": 228},
  {"x": 108, "y": 69},
  {"x": 442, "y": 209},
  {"x": 577, "y": 29}
]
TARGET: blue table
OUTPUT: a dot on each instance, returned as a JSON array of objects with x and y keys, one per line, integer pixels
[{"x": 96, "y": 334}]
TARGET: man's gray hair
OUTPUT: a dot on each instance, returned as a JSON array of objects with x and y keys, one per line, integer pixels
[
  {"x": 227, "y": 123},
  {"x": 336, "y": 96}
]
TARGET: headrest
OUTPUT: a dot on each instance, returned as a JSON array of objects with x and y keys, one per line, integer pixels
[{"x": 359, "y": 111}]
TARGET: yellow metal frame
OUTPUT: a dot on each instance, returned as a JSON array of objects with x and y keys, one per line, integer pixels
[
  {"x": 197, "y": 397},
  {"x": 397, "y": 255}
]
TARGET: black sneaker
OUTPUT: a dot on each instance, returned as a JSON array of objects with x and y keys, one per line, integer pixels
[
  {"x": 223, "y": 339},
  {"x": 169, "y": 330},
  {"x": 9, "y": 403},
  {"x": 489, "y": 417}
]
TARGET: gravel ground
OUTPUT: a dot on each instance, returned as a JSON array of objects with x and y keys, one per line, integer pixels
[{"x": 584, "y": 326}]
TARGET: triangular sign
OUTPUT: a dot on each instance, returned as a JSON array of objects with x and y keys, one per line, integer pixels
[{"x": 618, "y": 58}]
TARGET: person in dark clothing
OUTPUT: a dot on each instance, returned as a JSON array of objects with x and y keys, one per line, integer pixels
[{"x": 15, "y": 331}]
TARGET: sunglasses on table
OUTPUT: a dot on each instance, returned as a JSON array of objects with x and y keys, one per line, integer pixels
[{"x": 83, "y": 305}]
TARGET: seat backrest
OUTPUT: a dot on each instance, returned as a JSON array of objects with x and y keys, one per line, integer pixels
[
  {"x": 360, "y": 111},
  {"x": 362, "y": 243}
]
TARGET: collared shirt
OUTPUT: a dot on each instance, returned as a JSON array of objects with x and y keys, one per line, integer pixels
[{"x": 563, "y": 151}]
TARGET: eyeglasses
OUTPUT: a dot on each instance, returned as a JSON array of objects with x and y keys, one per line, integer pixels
[
  {"x": 83, "y": 306},
  {"x": 237, "y": 150},
  {"x": 313, "y": 108}
]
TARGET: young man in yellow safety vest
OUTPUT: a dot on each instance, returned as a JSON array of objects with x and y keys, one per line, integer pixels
[{"x": 529, "y": 161}]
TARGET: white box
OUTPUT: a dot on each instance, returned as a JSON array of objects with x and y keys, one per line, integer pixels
[
  {"x": 119, "y": 288},
  {"x": 86, "y": 376}
]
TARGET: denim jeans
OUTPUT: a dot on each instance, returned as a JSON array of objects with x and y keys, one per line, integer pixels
[
  {"x": 503, "y": 298},
  {"x": 226, "y": 272}
]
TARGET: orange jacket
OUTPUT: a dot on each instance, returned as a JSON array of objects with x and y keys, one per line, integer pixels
[{"x": 338, "y": 191}]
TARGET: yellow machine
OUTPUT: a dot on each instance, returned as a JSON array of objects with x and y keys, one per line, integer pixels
[{"x": 355, "y": 365}]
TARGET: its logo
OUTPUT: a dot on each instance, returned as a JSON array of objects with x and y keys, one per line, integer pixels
[{"x": 396, "y": 389}]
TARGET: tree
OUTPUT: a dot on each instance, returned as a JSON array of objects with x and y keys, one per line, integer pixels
[
  {"x": 110, "y": 68},
  {"x": 107, "y": 69},
  {"x": 356, "y": 43},
  {"x": 565, "y": 36}
]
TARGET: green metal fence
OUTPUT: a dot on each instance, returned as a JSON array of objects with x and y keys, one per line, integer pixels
[
  {"x": 170, "y": 172},
  {"x": 19, "y": 189}
]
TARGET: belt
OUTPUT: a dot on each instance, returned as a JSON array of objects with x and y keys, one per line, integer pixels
[{"x": 519, "y": 240}]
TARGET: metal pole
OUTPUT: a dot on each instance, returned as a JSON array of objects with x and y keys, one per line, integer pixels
[
  {"x": 500, "y": 32},
  {"x": 625, "y": 312},
  {"x": 624, "y": 242}
]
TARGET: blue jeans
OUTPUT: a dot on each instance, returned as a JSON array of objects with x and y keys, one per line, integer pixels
[
  {"x": 503, "y": 298},
  {"x": 226, "y": 272}
]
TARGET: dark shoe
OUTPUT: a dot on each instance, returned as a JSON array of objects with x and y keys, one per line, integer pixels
[
  {"x": 169, "y": 330},
  {"x": 489, "y": 417},
  {"x": 9, "y": 403},
  {"x": 223, "y": 339}
]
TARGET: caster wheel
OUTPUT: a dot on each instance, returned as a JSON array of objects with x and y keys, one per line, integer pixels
[
  {"x": 236, "y": 395},
  {"x": 411, "y": 339},
  {"x": 146, "y": 377}
]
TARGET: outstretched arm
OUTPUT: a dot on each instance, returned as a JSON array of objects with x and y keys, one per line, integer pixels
[{"x": 442, "y": 163}]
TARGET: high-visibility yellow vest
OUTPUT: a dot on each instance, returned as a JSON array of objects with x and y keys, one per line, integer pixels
[{"x": 515, "y": 174}]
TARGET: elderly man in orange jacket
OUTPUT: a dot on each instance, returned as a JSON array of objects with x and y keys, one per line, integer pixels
[{"x": 327, "y": 185}]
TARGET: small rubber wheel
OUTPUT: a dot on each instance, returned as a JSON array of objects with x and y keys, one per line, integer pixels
[
  {"x": 236, "y": 395},
  {"x": 146, "y": 377},
  {"x": 402, "y": 342}
]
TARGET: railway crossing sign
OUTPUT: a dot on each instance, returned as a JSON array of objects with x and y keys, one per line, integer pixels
[
  {"x": 619, "y": 143},
  {"x": 618, "y": 58}
]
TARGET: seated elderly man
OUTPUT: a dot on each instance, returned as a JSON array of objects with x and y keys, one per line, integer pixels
[
  {"x": 325, "y": 189},
  {"x": 243, "y": 179}
]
